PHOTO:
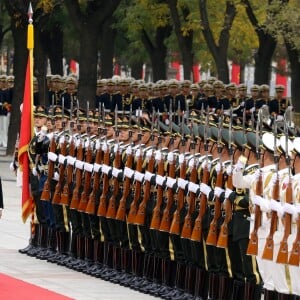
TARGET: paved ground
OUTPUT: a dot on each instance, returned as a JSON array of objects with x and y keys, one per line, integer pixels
[{"x": 14, "y": 235}]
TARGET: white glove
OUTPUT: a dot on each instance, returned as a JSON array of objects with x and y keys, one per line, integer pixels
[
  {"x": 218, "y": 191},
  {"x": 139, "y": 176},
  {"x": 62, "y": 139},
  {"x": 239, "y": 166},
  {"x": 52, "y": 156},
  {"x": 229, "y": 170},
  {"x": 11, "y": 166},
  {"x": 242, "y": 104},
  {"x": 218, "y": 167},
  {"x": 56, "y": 176},
  {"x": 42, "y": 135},
  {"x": 128, "y": 172},
  {"x": 116, "y": 148},
  {"x": 106, "y": 169},
  {"x": 170, "y": 157},
  {"x": 181, "y": 158},
  {"x": 170, "y": 182},
  {"x": 71, "y": 160},
  {"x": 98, "y": 144},
  {"x": 257, "y": 174},
  {"x": 158, "y": 155},
  {"x": 252, "y": 110},
  {"x": 148, "y": 176},
  {"x": 167, "y": 121},
  {"x": 193, "y": 187},
  {"x": 206, "y": 164},
  {"x": 182, "y": 183},
  {"x": 138, "y": 152},
  {"x": 149, "y": 153},
  {"x": 227, "y": 193},
  {"x": 129, "y": 150},
  {"x": 160, "y": 180},
  {"x": 34, "y": 171},
  {"x": 104, "y": 147},
  {"x": 279, "y": 118},
  {"x": 116, "y": 172},
  {"x": 97, "y": 167},
  {"x": 78, "y": 142},
  {"x": 61, "y": 159},
  {"x": 256, "y": 200},
  {"x": 265, "y": 205},
  {"x": 79, "y": 164},
  {"x": 87, "y": 144},
  {"x": 274, "y": 178},
  {"x": 205, "y": 189},
  {"x": 88, "y": 167}
]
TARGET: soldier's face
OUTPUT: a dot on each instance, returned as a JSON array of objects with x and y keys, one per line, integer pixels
[
  {"x": 39, "y": 121},
  {"x": 124, "y": 135}
]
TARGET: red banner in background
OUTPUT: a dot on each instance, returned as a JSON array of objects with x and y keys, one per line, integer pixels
[
  {"x": 175, "y": 65},
  {"x": 282, "y": 79},
  {"x": 196, "y": 73},
  {"x": 235, "y": 73}
]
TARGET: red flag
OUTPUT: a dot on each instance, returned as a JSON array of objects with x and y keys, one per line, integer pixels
[
  {"x": 26, "y": 134},
  {"x": 235, "y": 74},
  {"x": 281, "y": 78}
]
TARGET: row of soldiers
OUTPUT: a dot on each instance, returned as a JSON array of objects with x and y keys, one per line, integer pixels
[{"x": 161, "y": 209}]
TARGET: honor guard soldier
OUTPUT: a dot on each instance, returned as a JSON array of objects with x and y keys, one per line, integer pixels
[
  {"x": 55, "y": 90},
  {"x": 102, "y": 95},
  {"x": 70, "y": 94},
  {"x": 122, "y": 98},
  {"x": 5, "y": 108},
  {"x": 278, "y": 104}
]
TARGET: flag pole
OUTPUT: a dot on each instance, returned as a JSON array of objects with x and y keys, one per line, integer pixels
[{"x": 30, "y": 46}]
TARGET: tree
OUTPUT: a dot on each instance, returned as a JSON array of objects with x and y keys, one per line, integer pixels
[
  {"x": 179, "y": 14},
  {"x": 218, "y": 49},
  {"x": 17, "y": 11},
  {"x": 87, "y": 18}
]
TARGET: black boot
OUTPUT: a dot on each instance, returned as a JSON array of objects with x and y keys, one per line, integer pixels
[
  {"x": 88, "y": 255},
  {"x": 72, "y": 255},
  {"x": 51, "y": 245},
  {"x": 270, "y": 295},
  {"x": 155, "y": 278},
  {"x": 238, "y": 290},
  {"x": 225, "y": 287},
  {"x": 97, "y": 258},
  {"x": 213, "y": 286},
  {"x": 32, "y": 240},
  {"x": 110, "y": 274},
  {"x": 43, "y": 241},
  {"x": 64, "y": 246},
  {"x": 252, "y": 291},
  {"x": 79, "y": 252},
  {"x": 107, "y": 260},
  {"x": 33, "y": 249},
  {"x": 201, "y": 284}
]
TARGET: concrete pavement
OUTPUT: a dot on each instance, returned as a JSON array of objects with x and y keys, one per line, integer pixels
[{"x": 14, "y": 235}]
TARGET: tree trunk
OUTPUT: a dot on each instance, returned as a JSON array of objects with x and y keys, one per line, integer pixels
[
  {"x": 40, "y": 66},
  {"x": 158, "y": 62},
  {"x": 88, "y": 64},
  {"x": 137, "y": 69},
  {"x": 20, "y": 61},
  {"x": 55, "y": 50},
  {"x": 263, "y": 57},
  {"x": 222, "y": 66},
  {"x": 294, "y": 59},
  {"x": 107, "y": 42}
]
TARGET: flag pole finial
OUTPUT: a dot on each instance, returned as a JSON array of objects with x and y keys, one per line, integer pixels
[{"x": 30, "y": 13}]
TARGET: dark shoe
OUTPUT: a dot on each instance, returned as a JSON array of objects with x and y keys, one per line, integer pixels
[{"x": 26, "y": 249}]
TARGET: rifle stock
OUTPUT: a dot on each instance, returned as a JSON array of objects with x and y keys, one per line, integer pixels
[
  {"x": 138, "y": 186},
  {"x": 294, "y": 256},
  {"x": 212, "y": 236},
  {"x": 66, "y": 195},
  {"x": 156, "y": 216},
  {"x": 197, "y": 230},
  {"x": 102, "y": 201},
  {"x": 269, "y": 246},
  {"x": 282, "y": 257},
  {"x": 46, "y": 195},
  {"x": 223, "y": 236},
  {"x": 187, "y": 225},
  {"x": 121, "y": 213},
  {"x": 253, "y": 242},
  {"x": 91, "y": 205},
  {"x": 78, "y": 177},
  {"x": 87, "y": 182},
  {"x": 59, "y": 185},
  {"x": 166, "y": 217},
  {"x": 141, "y": 213}
]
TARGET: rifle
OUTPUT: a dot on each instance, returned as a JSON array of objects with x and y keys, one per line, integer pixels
[
  {"x": 187, "y": 225},
  {"x": 66, "y": 195},
  {"x": 111, "y": 209},
  {"x": 87, "y": 174},
  {"x": 156, "y": 215},
  {"x": 175, "y": 225},
  {"x": 63, "y": 150},
  {"x": 141, "y": 213},
  {"x": 138, "y": 188},
  {"x": 294, "y": 256},
  {"x": 102, "y": 201},
  {"x": 282, "y": 257},
  {"x": 91, "y": 205},
  {"x": 45, "y": 196},
  {"x": 253, "y": 242},
  {"x": 197, "y": 230},
  {"x": 212, "y": 237},
  {"x": 121, "y": 213},
  {"x": 78, "y": 177},
  {"x": 269, "y": 246}
]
